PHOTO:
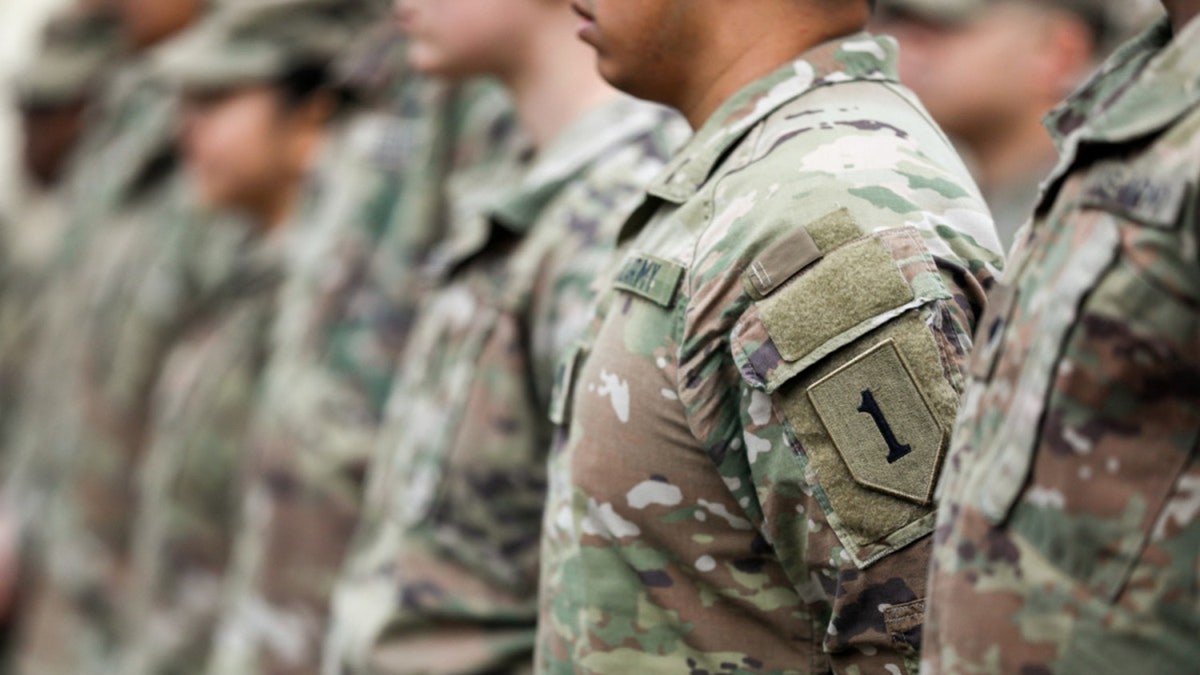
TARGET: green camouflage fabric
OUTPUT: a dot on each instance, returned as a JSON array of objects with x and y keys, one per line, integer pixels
[
  {"x": 752, "y": 425},
  {"x": 77, "y": 50},
  {"x": 442, "y": 576},
  {"x": 344, "y": 317},
  {"x": 1068, "y": 539},
  {"x": 138, "y": 288},
  {"x": 117, "y": 169},
  {"x": 136, "y": 259},
  {"x": 188, "y": 484},
  {"x": 27, "y": 250}
]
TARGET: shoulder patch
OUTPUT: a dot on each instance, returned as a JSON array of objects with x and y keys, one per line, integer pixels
[
  {"x": 652, "y": 278},
  {"x": 798, "y": 251},
  {"x": 881, "y": 424},
  {"x": 784, "y": 260}
]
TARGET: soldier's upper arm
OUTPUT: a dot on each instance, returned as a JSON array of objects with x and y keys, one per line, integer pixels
[{"x": 857, "y": 343}]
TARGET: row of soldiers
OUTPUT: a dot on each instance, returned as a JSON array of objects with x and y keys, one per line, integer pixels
[{"x": 343, "y": 338}]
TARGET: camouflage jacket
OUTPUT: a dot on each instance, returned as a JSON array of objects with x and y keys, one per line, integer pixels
[
  {"x": 344, "y": 316},
  {"x": 754, "y": 422},
  {"x": 1068, "y": 540},
  {"x": 189, "y": 476},
  {"x": 118, "y": 176},
  {"x": 443, "y": 573},
  {"x": 137, "y": 258},
  {"x": 27, "y": 249}
]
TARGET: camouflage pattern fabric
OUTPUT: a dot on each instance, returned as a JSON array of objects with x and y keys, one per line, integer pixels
[
  {"x": 1068, "y": 539},
  {"x": 137, "y": 257},
  {"x": 344, "y": 317},
  {"x": 188, "y": 487},
  {"x": 28, "y": 245},
  {"x": 140, "y": 286},
  {"x": 442, "y": 575},
  {"x": 753, "y": 423}
]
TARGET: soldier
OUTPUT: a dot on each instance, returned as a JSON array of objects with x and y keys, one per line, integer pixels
[
  {"x": 344, "y": 316},
  {"x": 949, "y": 52},
  {"x": 54, "y": 94},
  {"x": 258, "y": 103},
  {"x": 754, "y": 421},
  {"x": 96, "y": 355},
  {"x": 442, "y": 575},
  {"x": 1068, "y": 539}
]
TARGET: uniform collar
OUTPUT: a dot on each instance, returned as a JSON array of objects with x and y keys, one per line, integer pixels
[
  {"x": 847, "y": 59},
  {"x": 1146, "y": 85},
  {"x": 601, "y": 130}
]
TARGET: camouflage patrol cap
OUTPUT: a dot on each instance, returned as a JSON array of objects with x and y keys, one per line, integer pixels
[
  {"x": 263, "y": 40},
  {"x": 77, "y": 48}
]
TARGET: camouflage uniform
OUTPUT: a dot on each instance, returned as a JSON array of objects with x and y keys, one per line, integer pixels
[
  {"x": 1068, "y": 540},
  {"x": 77, "y": 51},
  {"x": 189, "y": 489},
  {"x": 122, "y": 289},
  {"x": 754, "y": 420},
  {"x": 443, "y": 572},
  {"x": 344, "y": 316}
]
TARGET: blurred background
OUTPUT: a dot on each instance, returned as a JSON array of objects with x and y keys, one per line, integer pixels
[{"x": 20, "y": 26}]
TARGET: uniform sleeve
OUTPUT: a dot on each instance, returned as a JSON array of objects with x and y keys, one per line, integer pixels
[{"x": 844, "y": 367}]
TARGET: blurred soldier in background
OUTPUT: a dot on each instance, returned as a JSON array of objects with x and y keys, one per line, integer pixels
[
  {"x": 1069, "y": 532},
  {"x": 259, "y": 101},
  {"x": 442, "y": 574},
  {"x": 118, "y": 297},
  {"x": 990, "y": 70},
  {"x": 78, "y": 48},
  {"x": 54, "y": 94},
  {"x": 345, "y": 310}
]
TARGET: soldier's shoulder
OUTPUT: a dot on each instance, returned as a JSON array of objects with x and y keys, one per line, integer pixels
[{"x": 869, "y": 149}]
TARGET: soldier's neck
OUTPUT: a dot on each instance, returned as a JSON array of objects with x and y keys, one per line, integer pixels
[
  {"x": 745, "y": 46},
  {"x": 1004, "y": 154},
  {"x": 1181, "y": 12},
  {"x": 555, "y": 84}
]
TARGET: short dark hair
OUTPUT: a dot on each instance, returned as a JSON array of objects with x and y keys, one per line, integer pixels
[{"x": 302, "y": 82}]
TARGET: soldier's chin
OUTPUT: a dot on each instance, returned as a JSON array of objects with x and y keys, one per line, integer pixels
[
  {"x": 428, "y": 60},
  {"x": 216, "y": 197},
  {"x": 621, "y": 78}
]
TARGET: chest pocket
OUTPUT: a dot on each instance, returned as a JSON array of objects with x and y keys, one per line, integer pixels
[
  {"x": 1090, "y": 413},
  {"x": 852, "y": 338},
  {"x": 473, "y": 461},
  {"x": 427, "y": 407}
]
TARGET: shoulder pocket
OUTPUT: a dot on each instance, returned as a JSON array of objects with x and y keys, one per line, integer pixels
[{"x": 857, "y": 351}]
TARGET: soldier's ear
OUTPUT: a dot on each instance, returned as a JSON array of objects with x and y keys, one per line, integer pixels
[{"x": 1069, "y": 51}]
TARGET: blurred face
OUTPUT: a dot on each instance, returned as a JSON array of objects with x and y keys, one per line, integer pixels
[
  {"x": 50, "y": 136},
  {"x": 462, "y": 38},
  {"x": 148, "y": 22},
  {"x": 642, "y": 46},
  {"x": 244, "y": 149},
  {"x": 1181, "y": 11},
  {"x": 979, "y": 74}
]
